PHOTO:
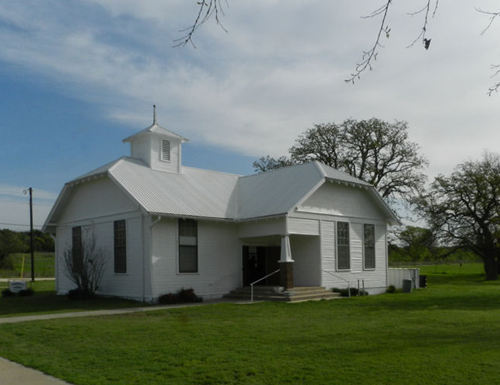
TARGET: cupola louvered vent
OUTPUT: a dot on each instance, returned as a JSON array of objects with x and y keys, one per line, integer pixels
[{"x": 165, "y": 150}]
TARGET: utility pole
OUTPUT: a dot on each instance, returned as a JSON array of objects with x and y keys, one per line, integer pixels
[{"x": 31, "y": 237}]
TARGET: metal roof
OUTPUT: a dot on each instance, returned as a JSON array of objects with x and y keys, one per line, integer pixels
[
  {"x": 155, "y": 128},
  {"x": 276, "y": 191},
  {"x": 195, "y": 192},
  {"x": 217, "y": 195}
]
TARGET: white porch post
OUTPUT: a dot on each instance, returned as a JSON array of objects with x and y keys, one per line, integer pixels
[
  {"x": 286, "y": 263},
  {"x": 286, "y": 251}
]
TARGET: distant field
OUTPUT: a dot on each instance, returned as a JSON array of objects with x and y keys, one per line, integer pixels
[
  {"x": 446, "y": 334},
  {"x": 44, "y": 265}
]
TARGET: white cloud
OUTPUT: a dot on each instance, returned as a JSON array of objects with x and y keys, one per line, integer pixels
[{"x": 278, "y": 70}]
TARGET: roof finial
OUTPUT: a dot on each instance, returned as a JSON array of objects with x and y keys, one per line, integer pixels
[{"x": 154, "y": 113}]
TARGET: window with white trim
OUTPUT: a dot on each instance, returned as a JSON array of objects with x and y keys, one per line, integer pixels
[
  {"x": 369, "y": 246},
  {"x": 165, "y": 150},
  {"x": 188, "y": 246},
  {"x": 343, "y": 249}
]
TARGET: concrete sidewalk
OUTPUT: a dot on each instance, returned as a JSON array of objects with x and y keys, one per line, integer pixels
[
  {"x": 26, "y": 279},
  {"x": 12, "y": 373},
  {"x": 95, "y": 313}
]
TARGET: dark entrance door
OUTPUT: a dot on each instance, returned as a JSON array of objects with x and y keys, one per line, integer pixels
[{"x": 259, "y": 261}]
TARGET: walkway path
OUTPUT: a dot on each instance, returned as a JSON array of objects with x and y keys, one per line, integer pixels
[
  {"x": 94, "y": 313},
  {"x": 26, "y": 279},
  {"x": 12, "y": 373}
]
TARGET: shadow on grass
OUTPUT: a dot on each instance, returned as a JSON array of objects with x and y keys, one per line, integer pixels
[{"x": 46, "y": 301}]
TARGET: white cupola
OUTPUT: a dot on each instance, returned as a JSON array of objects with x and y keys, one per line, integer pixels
[{"x": 158, "y": 147}]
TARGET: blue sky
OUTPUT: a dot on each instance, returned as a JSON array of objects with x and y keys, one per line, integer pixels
[{"x": 76, "y": 77}]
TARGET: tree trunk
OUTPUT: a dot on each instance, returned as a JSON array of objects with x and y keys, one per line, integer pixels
[{"x": 491, "y": 268}]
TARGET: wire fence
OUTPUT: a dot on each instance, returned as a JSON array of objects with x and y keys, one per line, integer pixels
[{"x": 19, "y": 265}]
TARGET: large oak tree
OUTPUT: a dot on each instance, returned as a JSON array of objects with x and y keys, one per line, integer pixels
[
  {"x": 463, "y": 209},
  {"x": 373, "y": 150}
]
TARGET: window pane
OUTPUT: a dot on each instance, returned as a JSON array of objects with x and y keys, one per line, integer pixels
[
  {"x": 188, "y": 249},
  {"x": 188, "y": 228},
  {"x": 188, "y": 259},
  {"x": 120, "y": 240},
  {"x": 343, "y": 250},
  {"x": 369, "y": 244}
]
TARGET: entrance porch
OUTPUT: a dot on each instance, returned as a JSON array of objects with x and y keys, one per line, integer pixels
[{"x": 282, "y": 268}]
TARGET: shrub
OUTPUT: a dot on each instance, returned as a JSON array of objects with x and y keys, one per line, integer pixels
[
  {"x": 7, "y": 293},
  {"x": 26, "y": 292},
  {"x": 391, "y": 289},
  {"x": 182, "y": 296},
  {"x": 80, "y": 294},
  {"x": 6, "y": 262},
  {"x": 168, "y": 299},
  {"x": 85, "y": 268}
]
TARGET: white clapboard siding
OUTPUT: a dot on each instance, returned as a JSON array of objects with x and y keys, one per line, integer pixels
[
  {"x": 129, "y": 284},
  {"x": 219, "y": 260},
  {"x": 302, "y": 226},
  {"x": 307, "y": 265},
  {"x": 374, "y": 280}
]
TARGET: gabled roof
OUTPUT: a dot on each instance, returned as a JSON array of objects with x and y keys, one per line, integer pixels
[
  {"x": 216, "y": 195},
  {"x": 155, "y": 128},
  {"x": 275, "y": 192},
  {"x": 195, "y": 192}
]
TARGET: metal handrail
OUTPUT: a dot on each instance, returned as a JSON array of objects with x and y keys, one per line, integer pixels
[
  {"x": 343, "y": 279},
  {"x": 260, "y": 279}
]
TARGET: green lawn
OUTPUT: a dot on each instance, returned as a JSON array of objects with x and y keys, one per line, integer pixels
[
  {"x": 46, "y": 301},
  {"x": 448, "y": 333},
  {"x": 44, "y": 265}
]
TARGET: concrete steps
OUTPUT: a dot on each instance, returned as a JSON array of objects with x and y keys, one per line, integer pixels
[{"x": 275, "y": 293}]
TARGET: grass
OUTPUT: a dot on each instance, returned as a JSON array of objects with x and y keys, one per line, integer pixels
[
  {"x": 446, "y": 334},
  {"x": 46, "y": 301},
  {"x": 44, "y": 265}
]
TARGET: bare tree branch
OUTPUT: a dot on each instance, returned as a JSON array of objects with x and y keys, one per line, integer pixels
[
  {"x": 492, "y": 15},
  {"x": 422, "y": 35},
  {"x": 207, "y": 9},
  {"x": 371, "y": 54}
]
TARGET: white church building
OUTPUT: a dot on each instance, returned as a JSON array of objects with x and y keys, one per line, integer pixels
[{"x": 163, "y": 226}]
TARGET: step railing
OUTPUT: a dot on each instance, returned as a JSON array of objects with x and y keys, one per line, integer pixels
[
  {"x": 341, "y": 278},
  {"x": 257, "y": 281}
]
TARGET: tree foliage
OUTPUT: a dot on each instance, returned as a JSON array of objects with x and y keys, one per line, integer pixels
[
  {"x": 373, "y": 150},
  {"x": 19, "y": 242},
  {"x": 463, "y": 209}
]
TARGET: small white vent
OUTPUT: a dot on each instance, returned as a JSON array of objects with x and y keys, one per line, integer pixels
[{"x": 165, "y": 150}]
